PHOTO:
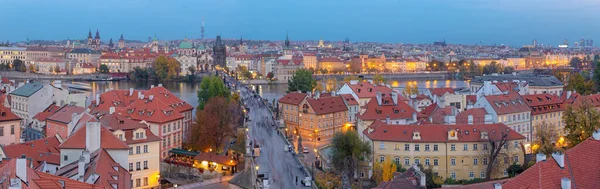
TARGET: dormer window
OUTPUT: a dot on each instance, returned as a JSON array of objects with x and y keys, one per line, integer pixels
[
  {"x": 150, "y": 113},
  {"x": 484, "y": 135},
  {"x": 452, "y": 135},
  {"x": 416, "y": 136},
  {"x": 141, "y": 112}
]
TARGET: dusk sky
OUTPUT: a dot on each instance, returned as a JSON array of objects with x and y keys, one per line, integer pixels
[{"x": 513, "y": 22}]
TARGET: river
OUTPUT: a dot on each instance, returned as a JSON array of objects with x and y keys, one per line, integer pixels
[{"x": 188, "y": 91}]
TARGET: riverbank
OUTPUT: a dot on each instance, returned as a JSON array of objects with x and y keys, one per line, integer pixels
[{"x": 85, "y": 77}]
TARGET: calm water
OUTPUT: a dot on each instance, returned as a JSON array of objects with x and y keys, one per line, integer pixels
[{"x": 188, "y": 91}]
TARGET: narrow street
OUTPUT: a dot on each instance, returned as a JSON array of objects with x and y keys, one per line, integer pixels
[{"x": 280, "y": 165}]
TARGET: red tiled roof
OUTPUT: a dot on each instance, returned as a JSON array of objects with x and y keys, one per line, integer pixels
[
  {"x": 437, "y": 133},
  {"x": 49, "y": 181},
  {"x": 45, "y": 149},
  {"x": 399, "y": 111},
  {"x": 441, "y": 91},
  {"x": 507, "y": 86},
  {"x": 477, "y": 113},
  {"x": 580, "y": 166},
  {"x": 327, "y": 105},
  {"x": 471, "y": 99},
  {"x": 293, "y": 98},
  {"x": 7, "y": 115},
  {"x": 153, "y": 111},
  {"x": 422, "y": 97},
  {"x": 349, "y": 99},
  {"x": 107, "y": 140},
  {"x": 65, "y": 113},
  {"x": 368, "y": 90},
  {"x": 507, "y": 103},
  {"x": 6, "y": 81},
  {"x": 211, "y": 157},
  {"x": 287, "y": 61},
  {"x": 116, "y": 121},
  {"x": 543, "y": 103},
  {"x": 103, "y": 165},
  {"x": 428, "y": 111}
]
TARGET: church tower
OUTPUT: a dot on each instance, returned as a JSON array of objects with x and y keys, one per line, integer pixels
[
  {"x": 97, "y": 40},
  {"x": 90, "y": 39},
  {"x": 287, "y": 47},
  {"x": 121, "y": 42},
  {"x": 219, "y": 52}
]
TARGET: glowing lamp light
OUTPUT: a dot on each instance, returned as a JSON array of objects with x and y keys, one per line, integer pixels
[{"x": 256, "y": 168}]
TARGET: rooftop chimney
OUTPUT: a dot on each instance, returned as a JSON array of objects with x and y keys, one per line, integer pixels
[
  {"x": 540, "y": 157},
  {"x": 80, "y": 169},
  {"x": 565, "y": 183},
  {"x": 150, "y": 97},
  {"x": 97, "y": 99},
  {"x": 497, "y": 186},
  {"x": 22, "y": 169},
  {"x": 160, "y": 84},
  {"x": 111, "y": 110},
  {"x": 92, "y": 136},
  {"x": 86, "y": 156},
  {"x": 151, "y": 86},
  {"x": 130, "y": 91},
  {"x": 596, "y": 134},
  {"x": 559, "y": 158},
  {"x": 395, "y": 97},
  {"x": 378, "y": 98},
  {"x": 569, "y": 94},
  {"x": 387, "y": 120}
]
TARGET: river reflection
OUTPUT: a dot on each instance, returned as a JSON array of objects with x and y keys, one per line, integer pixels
[{"x": 188, "y": 91}]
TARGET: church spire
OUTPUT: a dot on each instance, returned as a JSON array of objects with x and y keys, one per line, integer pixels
[
  {"x": 97, "y": 34},
  {"x": 90, "y": 34},
  {"x": 121, "y": 39},
  {"x": 287, "y": 40}
]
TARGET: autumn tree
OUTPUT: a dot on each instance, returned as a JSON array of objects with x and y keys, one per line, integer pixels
[
  {"x": 211, "y": 87},
  {"x": 410, "y": 89},
  {"x": 544, "y": 139},
  {"x": 19, "y": 65},
  {"x": 378, "y": 79},
  {"x": 327, "y": 180},
  {"x": 349, "y": 78},
  {"x": 214, "y": 124},
  {"x": 318, "y": 87},
  {"x": 331, "y": 84},
  {"x": 581, "y": 120},
  {"x": 166, "y": 68},
  {"x": 302, "y": 81},
  {"x": 491, "y": 68},
  {"x": 347, "y": 152},
  {"x": 31, "y": 68},
  {"x": 384, "y": 171}
]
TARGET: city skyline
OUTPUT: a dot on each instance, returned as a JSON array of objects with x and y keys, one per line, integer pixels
[{"x": 490, "y": 22}]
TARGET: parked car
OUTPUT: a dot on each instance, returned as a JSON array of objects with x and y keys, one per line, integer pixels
[{"x": 305, "y": 150}]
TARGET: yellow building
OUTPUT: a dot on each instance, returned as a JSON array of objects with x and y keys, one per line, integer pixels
[
  {"x": 9, "y": 54},
  {"x": 144, "y": 149},
  {"x": 310, "y": 60},
  {"x": 321, "y": 118},
  {"x": 545, "y": 108},
  {"x": 460, "y": 152},
  {"x": 332, "y": 64}
]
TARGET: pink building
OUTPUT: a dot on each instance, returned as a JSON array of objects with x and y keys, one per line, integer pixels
[{"x": 10, "y": 127}]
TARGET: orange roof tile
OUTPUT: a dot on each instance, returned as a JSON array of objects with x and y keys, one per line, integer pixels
[
  {"x": 293, "y": 98},
  {"x": 45, "y": 149},
  {"x": 349, "y": 99},
  {"x": 375, "y": 111},
  {"x": 50, "y": 110},
  {"x": 65, "y": 113},
  {"x": 543, "y": 103},
  {"x": 108, "y": 140},
  {"x": 507, "y": 103},
  {"x": 103, "y": 165},
  {"x": 7, "y": 115},
  {"x": 368, "y": 90},
  {"x": 441, "y": 91}
]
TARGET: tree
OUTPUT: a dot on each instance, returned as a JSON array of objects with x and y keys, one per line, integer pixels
[
  {"x": 331, "y": 84},
  {"x": 19, "y": 65},
  {"x": 378, "y": 79},
  {"x": 211, "y": 87},
  {"x": 581, "y": 120},
  {"x": 411, "y": 89},
  {"x": 103, "y": 68},
  {"x": 496, "y": 140},
  {"x": 56, "y": 69},
  {"x": 509, "y": 69},
  {"x": 214, "y": 124},
  {"x": 576, "y": 62},
  {"x": 514, "y": 170},
  {"x": 31, "y": 68},
  {"x": 544, "y": 139},
  {"x": 302, "y": 81},
  {"x": 347, "y": 150},
  {"x": 191, "y": 70},
  {"x": 384, "y": 171},
  {"x": 318, "y": 87},
  {"x": 139, "y": 73},
  {"x": 431, "y": 179},
  {"x": 166, "y": 68},
  {"x": 577, "y": 82},
  {"x": 3, "y": 66},
  {"x": 491, "y": 68},
  {"x": 597, "y": 75},
  {"x": 349, "y": 78},
  {"x": 326, "y": 180}
]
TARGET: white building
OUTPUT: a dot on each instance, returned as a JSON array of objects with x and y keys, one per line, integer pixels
[{"x": 30, "y": 99}]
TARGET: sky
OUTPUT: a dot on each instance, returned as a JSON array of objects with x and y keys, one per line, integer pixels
[{"x": 511, "y": 22}]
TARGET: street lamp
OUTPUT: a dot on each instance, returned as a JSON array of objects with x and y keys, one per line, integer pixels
[{"x": 256, "y": 168}]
